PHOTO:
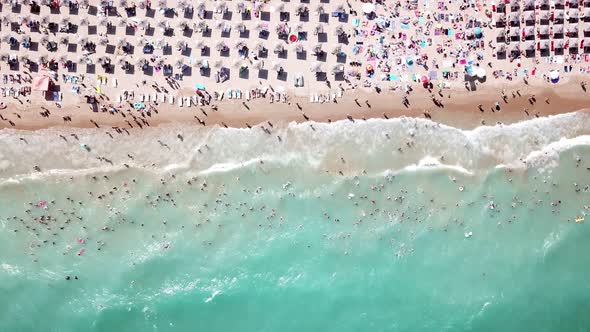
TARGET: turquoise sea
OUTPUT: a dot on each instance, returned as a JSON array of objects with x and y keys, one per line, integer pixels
[{"x": 383, "y": 225}]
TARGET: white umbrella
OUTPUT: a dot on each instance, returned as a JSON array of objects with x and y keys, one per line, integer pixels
[
  {"x": 368, "y": 8},
  {"x": 480, "y": 72}
]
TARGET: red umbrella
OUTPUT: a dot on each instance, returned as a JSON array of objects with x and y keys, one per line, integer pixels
[{"x": 292, "y": 38}]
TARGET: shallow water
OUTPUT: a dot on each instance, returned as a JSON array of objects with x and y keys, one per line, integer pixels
[{"x": 458, "y": 231}]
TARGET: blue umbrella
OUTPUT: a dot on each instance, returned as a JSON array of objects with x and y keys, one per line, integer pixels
[{"x": 200, "y": 86}]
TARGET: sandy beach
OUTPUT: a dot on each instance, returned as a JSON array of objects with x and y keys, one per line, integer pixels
[
  {"x": 137, "y": 64},
  {"x": 459, "y": 109}
]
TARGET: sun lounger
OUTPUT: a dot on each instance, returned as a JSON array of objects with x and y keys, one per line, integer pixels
[
  {"x": 119, "y": 98},
  {"x": 311, "y": 97},
  {"x": 230, "y": 94},
  {"x": 114, "y": 82},
  {"x": 187, "y": 101},
  {"x": 238, "y": 94},
  {"x": 141, "y": 98},
  {"x": 155, "y": 97},
  {"x": 162, "y": 98},
  {"x": 248, "y": 95},
  {"x": 171, "y": 99},
  {"x": 179, "y": 101},
  {"x": 317, "y": 98},
  {"x": 339, "y": 92},
  {"x": 195, "y": 100},
  {"x": 147, "y": 98}
]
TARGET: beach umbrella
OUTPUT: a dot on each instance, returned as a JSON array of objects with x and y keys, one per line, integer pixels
[
  {"x": 4, "y": 57},
  {"x": 480, "y": 72},
  {"x": 142, "y": 4},
  {"x": 123, "y": 3},
  {"x": 218, "y": 64},
  {"x": 121, "y": 22},
  {"x": 141, "y": 42},
  {"x": 339, "y": 30},
  {"x": 337, "y": 49},
  {"x": 279, "y": 48},
  {"x": 241, "y": 27},
  {"x": 299, "y": 48},
  {"x": 64, "y": 40},
  {"x": 237, "y": 63},
  {"x": 82, "y": 40},
  {"x": 63, "y": 22},
  {"x": 339, "y": 68},
  {"x": 62, "y": 59},
  {"x": 368, "y": 8},
  {"x": 44, "y": 40},
  {"x": 45, "y": 19},
  {"x": 160, "y": 62},
  {"x": 163, "y": 25},
  {"x": 220, "y": 46},
  {"x": 280, "y": 7},
  {"x": 319, "y": 10},
  {"x": 259, "y": 47},
  {"x": 199, "y": 44},
  {"x": 276, "y": 66},
  {"x": 43, "y": 58},
  {"x": 103, "y": 60},
  {"x": 140, "y": 62},
  {"x": 240, "y": 7},
  {"x": 84, "y": 22},
  {"x": 5, "y": 38},
  {"x": 24, "y": 19},
  {"x": 161, "y": 43},
  {"x": 103, "y": 21},
  {"x": 340, "y": 9},
  {"x": 182, "y": 5},
  {"x": 23, "y": 58},
  {"x": 162, "y": 4},
  {"x": 554, "y": 76},
  {"x": 317, "y": 48},
  {"x": 319, "y": 28},
  {"x": 221, "y": 7},
  {"x": 261, "y": 27},
  {"x": 259, "y": 65},
  {"x": 103, "y": 40},
  {"x": 316, "y": 67},
  {"x": 121, "y": 62},
  {"x": 121, "y": 42},
  {"x": 143, "y": 24},
  {"x": 84, "y": 3},
  {"x": 82, "y": 59},
  {"x": 182, "y": 25},
  {"x": 240, "y": 44},
  {"x": 203, "y": 26},
  {"x": 181, "y": 45},
  {"x": 179, "y": 63}
]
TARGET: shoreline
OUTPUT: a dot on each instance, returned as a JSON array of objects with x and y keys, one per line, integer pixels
[{"x": 460, "y": 109}]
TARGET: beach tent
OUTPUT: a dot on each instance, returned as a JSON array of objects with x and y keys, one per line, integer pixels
[
  {"x": 554, "y": 76},
  {"x": 41, "y": 83}
]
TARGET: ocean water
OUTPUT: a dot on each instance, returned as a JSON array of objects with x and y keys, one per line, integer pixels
[{"x": 384, "y": 225}]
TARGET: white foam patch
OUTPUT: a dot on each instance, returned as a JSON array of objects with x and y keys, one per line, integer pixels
[{"x": 375, "y": 145}]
